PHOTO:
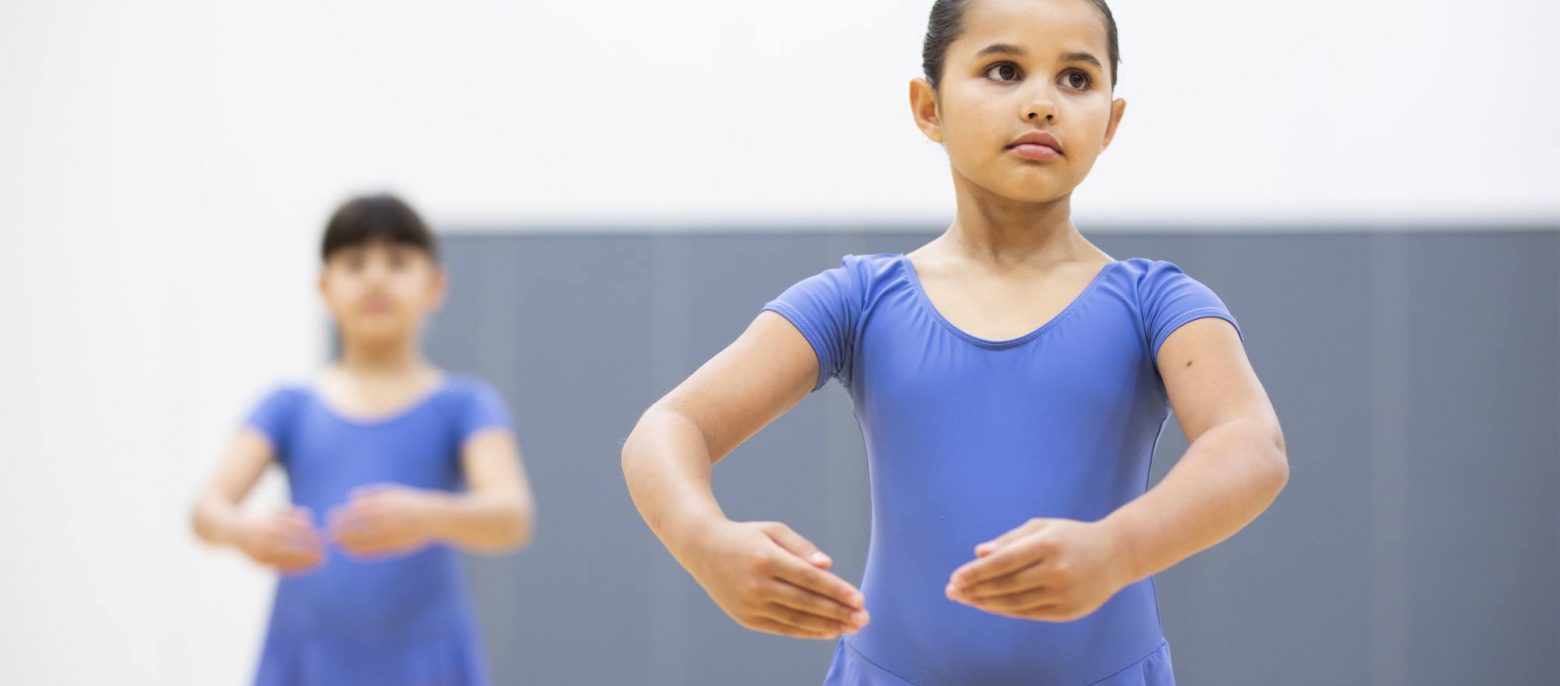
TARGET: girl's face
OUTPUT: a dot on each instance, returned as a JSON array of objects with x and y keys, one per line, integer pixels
[
  {"x": 1023, "y": 68},
  {"x": 380, "y": 293}
]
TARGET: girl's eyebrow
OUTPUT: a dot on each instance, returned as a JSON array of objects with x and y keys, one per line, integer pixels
[
  {"x": 1010, "y": 49},
  {"x": 1083, "y": 57},
  {"x": 1000, "y": 49}
]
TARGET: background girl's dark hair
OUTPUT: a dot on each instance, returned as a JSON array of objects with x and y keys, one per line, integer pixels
[
  {"x": 945, "y": 23},
  {"x": 379, "y": 218}
]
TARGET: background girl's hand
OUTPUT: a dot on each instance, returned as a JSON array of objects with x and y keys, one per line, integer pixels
[
  {"x": 768, "y": 578},
  {"x": 284, "y": 540},
  {"x": 1047, "y": 569},
  {"x": 385, "y": 519}
]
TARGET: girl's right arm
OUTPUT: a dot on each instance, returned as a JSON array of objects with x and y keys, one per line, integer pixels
[
  {"x": 284, "y": 540},
  {"x": 763, "y": 574}
]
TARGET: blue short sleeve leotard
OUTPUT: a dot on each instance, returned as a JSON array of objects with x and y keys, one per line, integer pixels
[
  {"x": 404, "y": 619},
  {"x": 967, "y": 438}
]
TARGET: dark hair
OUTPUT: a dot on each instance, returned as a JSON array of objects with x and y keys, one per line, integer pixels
[
  {"x": 380, "y": 218},
  {"x": 945, "y": 24}
]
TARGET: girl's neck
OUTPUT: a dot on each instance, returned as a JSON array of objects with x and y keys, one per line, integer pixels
[
  {"x": 996, "y": 230},
  {"x": 382, "y": 360}
]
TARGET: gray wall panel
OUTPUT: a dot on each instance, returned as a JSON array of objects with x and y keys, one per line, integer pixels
[{"x": 1417, "y": 376}]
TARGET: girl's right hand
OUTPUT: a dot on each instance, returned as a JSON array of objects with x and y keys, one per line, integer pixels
[
  {"x": 284, "y": 540},
  {"x": 768, "y": 578}
]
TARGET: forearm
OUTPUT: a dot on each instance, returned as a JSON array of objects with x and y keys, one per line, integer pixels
[
  {"x": 1227, "y": 477},
  {"x": 667, "y": 465},
  {"x": 216, "y": 520},
  {"x": 482, "y": 521}
]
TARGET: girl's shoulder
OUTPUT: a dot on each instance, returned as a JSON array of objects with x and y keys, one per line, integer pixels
[
  {"x": 1149, "y": 277},
  {"x": 286, "y": 394},
  {"x": 868, "y": 273}
]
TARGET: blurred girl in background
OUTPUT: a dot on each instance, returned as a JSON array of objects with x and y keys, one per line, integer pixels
[{"x": 393, "y": 466}]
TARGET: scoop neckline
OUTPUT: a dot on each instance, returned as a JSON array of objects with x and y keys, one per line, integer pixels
[
  {"x": 926, "y": 303},
  {"x": 399, "y": 413}
]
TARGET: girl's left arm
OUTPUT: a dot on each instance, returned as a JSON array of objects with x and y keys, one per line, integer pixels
[
  {"x": 1235, "y": 464},
  {"x": 495, "y": 513}
]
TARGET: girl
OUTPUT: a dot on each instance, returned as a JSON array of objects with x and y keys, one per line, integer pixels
[
  {"x": 372, "y": 593},
  {"x": 1010, "y": 379}
]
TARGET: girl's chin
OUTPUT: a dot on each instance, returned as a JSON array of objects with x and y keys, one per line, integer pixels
[
  {"x": 1030, "y": 193},
  {"x": 377, "y": 333}
]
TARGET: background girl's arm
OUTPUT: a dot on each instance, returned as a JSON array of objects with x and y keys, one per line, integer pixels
[
  {"x": 283, "y": 539},
  {"x": 494, "y": 515},
  {"x": 764, "y": 575}
]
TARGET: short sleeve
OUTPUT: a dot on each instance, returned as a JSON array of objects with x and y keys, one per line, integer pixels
[
  {"x": 273, "y": 418},
  {"x": 481, "y": 408},
  {"x": 825, "y": 307},
  {"x": 1170, "y": 298}
]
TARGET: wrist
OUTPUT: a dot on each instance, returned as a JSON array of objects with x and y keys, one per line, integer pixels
[
  {"x": 686, "y": 536},
  {"x": 1126, "y": 557},
  {"x": 435, "y": 515},
  {"x": 235, "y": 530}
]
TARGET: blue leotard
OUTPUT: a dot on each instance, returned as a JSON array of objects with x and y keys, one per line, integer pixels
[
  {"x": 400, "y": 620},
  {"x": 967, "y": 438}
]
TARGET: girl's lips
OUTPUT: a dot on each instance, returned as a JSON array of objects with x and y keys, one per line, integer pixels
[{"x": 1035, "y": 151}]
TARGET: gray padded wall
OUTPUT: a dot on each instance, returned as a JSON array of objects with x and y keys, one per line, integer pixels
[{"x": 1417, "y": 375}]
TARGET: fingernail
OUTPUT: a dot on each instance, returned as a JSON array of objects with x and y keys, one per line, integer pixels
[{"x": 820, "y": 558}]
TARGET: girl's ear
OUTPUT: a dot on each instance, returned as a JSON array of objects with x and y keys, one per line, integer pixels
[
  {"x": 923, "y": 106},
  {"x": 440, "y": 286},
  {"x": 1117, "y": 108}
]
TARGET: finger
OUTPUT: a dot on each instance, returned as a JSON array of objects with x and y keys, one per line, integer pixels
[
  {"x": 1017, "y": 602},
  {"x": 360, "y": 535},
  {"x": 798, "y": 545},
  {"x": 803, "y": 575},
  {"x": 807, "y": 601},
  {"x": 1022, "y": 580},
  {"x": 768, "y": 625},
  {"x": 1007, "y": 537},
  {"x": 285, "y": 558},
  {"x": 370, "y": 490},
  {"x": 1042, "y": 613},
  {"x": 297, "y": 536},
  {"x": 806, "y": 621},
  {"x": 1004, "y": 561},
  {"x": 364, "y": 545}
]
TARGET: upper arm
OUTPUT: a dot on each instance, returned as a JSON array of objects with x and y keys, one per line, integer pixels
[
  {"x": 489, "y": 452},
  {"x": 1210, "y": 381},
  {"x": 249, "y": 452},
  {"x": 490, "y": 462},
  {"x": 758, "y": 377}
]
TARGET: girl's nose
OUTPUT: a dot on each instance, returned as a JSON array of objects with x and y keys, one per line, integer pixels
[{"x": 1040, "y": 108}]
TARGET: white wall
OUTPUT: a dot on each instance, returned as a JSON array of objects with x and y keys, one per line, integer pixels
[{"x": 165, "y": 168}]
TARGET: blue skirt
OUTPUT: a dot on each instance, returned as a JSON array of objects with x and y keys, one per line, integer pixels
[{"x": 851, "y": 668}]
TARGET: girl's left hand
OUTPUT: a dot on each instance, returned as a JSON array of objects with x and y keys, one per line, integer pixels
[
  {"x": 1054, "y": 570},
  {"x": 384, "y": 519}
]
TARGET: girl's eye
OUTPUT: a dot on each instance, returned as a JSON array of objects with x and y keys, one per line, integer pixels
[
  {"x": 1003, "y": 71},
  {"x": 1077, "y": 79}
]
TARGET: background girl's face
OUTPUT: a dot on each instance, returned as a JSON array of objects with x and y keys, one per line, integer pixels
[
  {"x": 381, "y": 292},
  {"x": 1019, "y": 67}
]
